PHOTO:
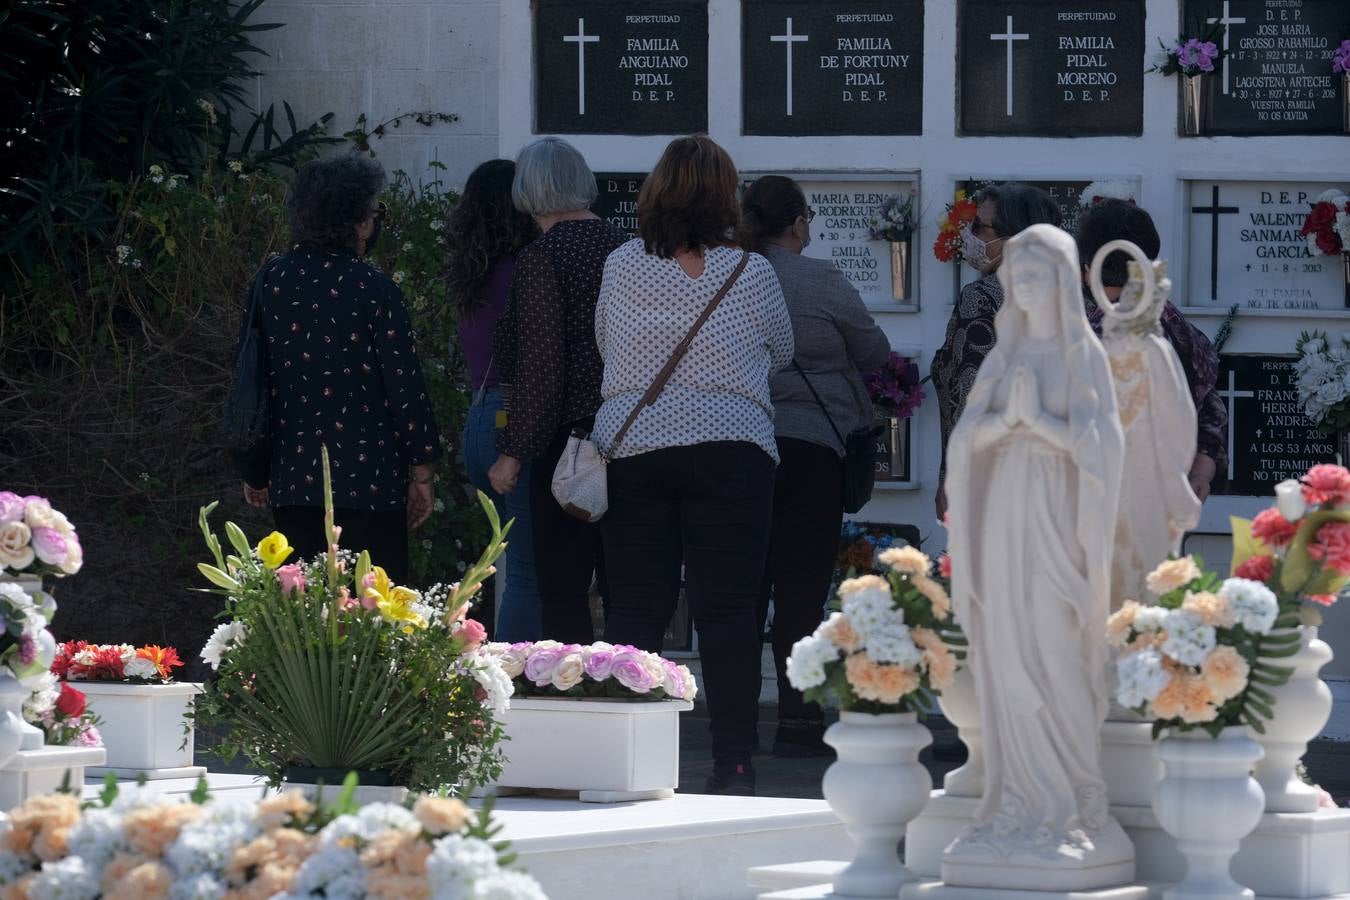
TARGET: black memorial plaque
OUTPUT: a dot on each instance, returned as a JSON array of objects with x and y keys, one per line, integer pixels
[
  {"x": 621, "y": 66},
  {"x": 1277, "y": 78},
  {"x": 832, "y": 67},
  {"x": 617, "y": 202},
  {"x": 1055, "y": 68},
  {"x": 1269, "y": 437}
]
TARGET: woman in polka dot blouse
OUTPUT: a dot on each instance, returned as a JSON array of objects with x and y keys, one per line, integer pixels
[
  {"x": 691, "y": 485},
  {"x": 343, "y": 373}
]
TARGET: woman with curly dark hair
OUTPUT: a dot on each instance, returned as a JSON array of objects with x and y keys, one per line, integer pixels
[
  {"x": 485, "y": 232},
  {"x": 343, "y": 373}
]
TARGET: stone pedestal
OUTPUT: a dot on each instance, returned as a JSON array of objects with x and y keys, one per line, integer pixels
[
  {"x": 939, "y": 891},
  {"x": 42, "y": 771}
]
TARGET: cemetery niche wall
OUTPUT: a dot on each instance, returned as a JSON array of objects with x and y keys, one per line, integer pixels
[
  {"x": 1050, "y": 67},
  {"x": 621, "y": 66},
  {"x": 832, "y": 68},
  {"x": 1276, "y": 77}
]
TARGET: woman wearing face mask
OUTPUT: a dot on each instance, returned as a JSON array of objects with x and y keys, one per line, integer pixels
[
  {"x": 1003, "y": 211},
  {"x": 836, "y": 338},
  {"x": 343, "y": 373}
]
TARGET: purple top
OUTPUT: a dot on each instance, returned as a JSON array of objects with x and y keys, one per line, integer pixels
[{"x": 477, "y": 327}]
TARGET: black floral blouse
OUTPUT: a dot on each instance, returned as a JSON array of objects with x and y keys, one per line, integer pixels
[
  {"x": 343, "y": 372},
  {"x": 545, "y": 341}
]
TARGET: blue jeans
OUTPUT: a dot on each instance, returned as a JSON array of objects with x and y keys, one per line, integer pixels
[{"x": 518, "y": 617}]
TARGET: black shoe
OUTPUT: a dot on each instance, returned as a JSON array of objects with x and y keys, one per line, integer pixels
[{"x": 734, "y": 781}]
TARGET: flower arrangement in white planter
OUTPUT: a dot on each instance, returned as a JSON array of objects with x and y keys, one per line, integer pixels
[
  {"x": 602, "y": 720},
  {"x": 881, "y": 659},
  {"x": 134, "y": 843},
  {"x": 1197, "y": 664},
  {"x": 144, "y": 716}
]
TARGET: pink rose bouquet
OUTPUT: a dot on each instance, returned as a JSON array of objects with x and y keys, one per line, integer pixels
[
  {"x": 1201, "y": 656},
  {"x": 36, "y": 539},
  {"x": 599, "y": 670}
]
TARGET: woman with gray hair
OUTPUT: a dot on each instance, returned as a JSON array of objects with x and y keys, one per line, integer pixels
[
  {"x": 342, "y": 372},
  {"x": 551, "y": 370}
]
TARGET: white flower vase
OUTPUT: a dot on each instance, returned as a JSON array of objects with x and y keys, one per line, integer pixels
[
  {"x": 33, "y": 738},
  {"x": 12, "y": 695},
  {"x": 1208, "y": 801},
  {"x": 961, "y": 707},
  {"x": 876, "y": 786},
  {"x": 1302, "y": 707}
]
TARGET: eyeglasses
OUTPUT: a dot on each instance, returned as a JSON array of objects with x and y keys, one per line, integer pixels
[
  {"x": 380, "y": 211},
  {"x": 810, "y": 214}
]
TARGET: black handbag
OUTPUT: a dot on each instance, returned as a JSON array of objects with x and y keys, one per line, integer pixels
[
  {"x": 244, "y": 426},
  {"x": 860, "y": 455}
]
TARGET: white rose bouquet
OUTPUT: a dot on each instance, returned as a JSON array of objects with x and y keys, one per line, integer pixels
[{"x": 1323, "y": 371}]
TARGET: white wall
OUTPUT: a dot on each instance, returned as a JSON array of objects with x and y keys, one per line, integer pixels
[
  {"x": 383, "y": 58},
  {"x": 475, "y": 58}
]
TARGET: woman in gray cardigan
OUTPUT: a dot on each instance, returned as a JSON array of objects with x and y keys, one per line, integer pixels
[{"x": 836, "y": 340}]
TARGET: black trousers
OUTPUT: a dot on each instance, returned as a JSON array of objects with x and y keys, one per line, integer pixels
[
  {"x": 808, "y": 508},
  {"x": 383, "y": 532},
  {"x": 705, "y": 507},
  {"x": 567, "y": 554}
]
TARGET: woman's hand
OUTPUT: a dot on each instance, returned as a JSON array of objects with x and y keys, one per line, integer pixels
[
  {"x": 1202, "y": 475},
  {"x": 421, "y": 495},
  {"x": 256, "y": 496},
  {"x": 504, "y": 474}
]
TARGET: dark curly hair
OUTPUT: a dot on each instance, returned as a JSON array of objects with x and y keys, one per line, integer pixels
[
  {"x": 483, "y": 227},
  {"x": 328, "y": 197}
]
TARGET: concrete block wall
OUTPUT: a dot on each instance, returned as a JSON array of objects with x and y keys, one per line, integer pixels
[{"x": 381, "y": 59}]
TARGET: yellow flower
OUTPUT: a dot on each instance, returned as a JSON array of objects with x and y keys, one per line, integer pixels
[
  {"x": 274, "y": 549},
  {"x": 394, "y": 603}
]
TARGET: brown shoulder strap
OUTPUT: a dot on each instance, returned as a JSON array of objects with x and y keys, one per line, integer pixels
[{"x": 659, "y": 383}]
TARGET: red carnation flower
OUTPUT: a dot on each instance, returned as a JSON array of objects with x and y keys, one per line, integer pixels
[
  {"x": 1272, "y": 529},
  {"x": 1322, "y": 599},
  {"x": 1257, "y": 568},
  {"x": 945, "y": 565},
  {"x": 1320, "y": 218},
  {"x": 1328, "y": 242},
  {"x": 71, "y": 702},
  {"x": 1326, "y": 483}
]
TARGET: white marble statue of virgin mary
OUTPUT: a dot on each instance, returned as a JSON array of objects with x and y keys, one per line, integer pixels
[
  {"x": 1158, "y": 416},
  {"x": 1034, "y": 472}
]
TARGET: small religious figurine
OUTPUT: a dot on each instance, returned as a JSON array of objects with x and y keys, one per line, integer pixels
[
  {"x": 1034, "y": 479},
  {"x": 1157, "y": 413}
]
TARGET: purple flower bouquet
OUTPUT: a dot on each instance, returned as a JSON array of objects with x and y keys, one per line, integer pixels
[
  {"x": 595, "y": 671},
  {"x": 1340, "y": 59},
  {"x": 1191, "y": 56},
  {"x": 897, "y": 388}
]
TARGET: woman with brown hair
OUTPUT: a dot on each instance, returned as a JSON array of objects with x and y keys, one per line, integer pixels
[
  {"x": 691, "y": 478},
  {"x": 816, "y": 400},
  {"x": 485, "y": 232}
]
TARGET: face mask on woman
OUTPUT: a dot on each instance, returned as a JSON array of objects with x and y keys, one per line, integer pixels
[
  {"x": 374, "y": 235},
  {"x": 975, "y": 250}
]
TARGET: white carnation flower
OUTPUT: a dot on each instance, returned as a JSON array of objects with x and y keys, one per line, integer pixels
[
  {"x": 226, "y": 636},
  {"x": 12, "y": 867},
  {"x": 494, "y": 681},
  {"x": 868, "y": 608},
  {"x": 198, "y": 887},
  {"x": 456, "y": 863},
  {"x": 204, "y": 846},
  {"x": 1254, "y": 605},
  {"x": 806, "y": 663},
  {"x": 892, "y": 643},
  {"x": 71, "y": 878},
  {"x": 505, "y": 885},
  {"x": 1189, "y": 639},
  {"x": 140, "y": 667},
  {"x": 333, "y": 872},
  {"x": 1140, "y": 677},
  {"x": 97, "y": 837},
  {"x": 1150, "y": 618}
]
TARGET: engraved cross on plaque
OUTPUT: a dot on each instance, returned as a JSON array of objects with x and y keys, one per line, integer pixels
[
  {"x": 1231, "y": 396},
  {"x": 789, "y": 39},
  {"x": 1009, "y": 36},
  {"x": 581, "y": 39},
  {"x": 1214, "y": 210},
  {"x": 1225, "y": 20}
]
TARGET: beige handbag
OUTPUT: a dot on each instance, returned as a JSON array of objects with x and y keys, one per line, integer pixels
[{"x": 580, "y": 484}]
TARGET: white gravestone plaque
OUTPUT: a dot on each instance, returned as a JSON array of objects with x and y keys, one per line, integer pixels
[
  {"x": 840, "y": 234},
  {"x": 1245, "y": 248}
]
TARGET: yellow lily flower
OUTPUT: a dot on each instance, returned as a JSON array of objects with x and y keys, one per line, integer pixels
[
  {"x": 274, "y": 549},
  {"x": 394, "y": 603}
]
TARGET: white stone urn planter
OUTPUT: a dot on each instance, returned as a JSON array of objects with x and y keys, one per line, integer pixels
[
  {"x": 606, "y": 751},
  {"x": 1302, "y": 707},
  {"x": 876, "y": 786},
  {"x": 1208, "y": 801},
  {"x": 143, "y": 728},
  {"x": 12, "y": 696},
  {"x": 961, "y": 707}
]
